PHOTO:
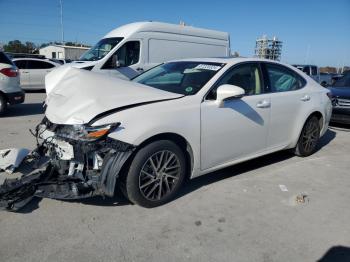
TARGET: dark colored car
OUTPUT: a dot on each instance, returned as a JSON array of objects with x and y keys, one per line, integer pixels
[{"x": 341, "y": 100}]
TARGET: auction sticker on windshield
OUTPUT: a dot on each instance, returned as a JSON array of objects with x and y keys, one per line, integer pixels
[{"x": 208, "y": 67}]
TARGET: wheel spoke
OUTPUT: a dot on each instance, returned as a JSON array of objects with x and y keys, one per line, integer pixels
[
  {"x": 160, "y": 161},
  {"x": 148, "y": 183},
  {"x": 153, "y": 165},
  {"x": 166, "y": 182},
  {"x": 159, "y": 174},
  {"x": 160, "y": 189},
  {"x": 152, "y": 190},
  {"x": 147, "y": 174}
]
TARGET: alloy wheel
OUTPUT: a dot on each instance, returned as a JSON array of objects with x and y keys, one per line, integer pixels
[
  {"x": 310, "y": 136},
  {"x": 159, "y": 175}
]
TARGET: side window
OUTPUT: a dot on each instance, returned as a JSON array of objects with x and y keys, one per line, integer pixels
[
  {"x": 283, "y": 79},
  {"x": 128, "y": 54},
  {"x": 313, "y": 70},
  {"x": 21, "y": 64},
  {"x": 246, "y": 76},
  {"x": 306, "y": 70},
  {"x": 34, "y": 64}
]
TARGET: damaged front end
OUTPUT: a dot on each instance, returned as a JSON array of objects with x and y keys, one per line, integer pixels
[{"x": 70, "y": 162}]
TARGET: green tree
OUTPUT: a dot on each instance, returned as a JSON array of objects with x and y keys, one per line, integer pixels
[{"x": 17, "y": 46}]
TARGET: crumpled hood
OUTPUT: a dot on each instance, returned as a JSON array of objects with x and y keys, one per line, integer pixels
[{"x": 76, "y": 96}]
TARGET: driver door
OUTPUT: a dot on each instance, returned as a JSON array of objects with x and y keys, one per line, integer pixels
[
  {"x": 128, "y": 58},
  {"x": 239, "y": 128}
]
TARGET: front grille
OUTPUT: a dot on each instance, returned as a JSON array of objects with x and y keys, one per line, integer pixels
[{"x": 341, "y": 102}]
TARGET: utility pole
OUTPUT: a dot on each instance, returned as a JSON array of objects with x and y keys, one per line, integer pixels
[{"x": 62, "y": 30}]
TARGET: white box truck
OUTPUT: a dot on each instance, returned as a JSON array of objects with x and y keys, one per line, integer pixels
[{"x": 133, "y": 48}]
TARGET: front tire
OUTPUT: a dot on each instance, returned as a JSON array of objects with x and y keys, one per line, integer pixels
[
  {"x": 308, "y": 140},
  {"x": 156, "y": 174},
  {"x": 3, "y": 104}
]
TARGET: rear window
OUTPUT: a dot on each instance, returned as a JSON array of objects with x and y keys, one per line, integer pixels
[{"x": 4, "y": 59}]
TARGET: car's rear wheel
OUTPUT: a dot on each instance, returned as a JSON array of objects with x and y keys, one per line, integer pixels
[
  {"x": 156, "y": 174},
  {"x": 309, "y": 137},
  {"x": 3, "y": 104}
]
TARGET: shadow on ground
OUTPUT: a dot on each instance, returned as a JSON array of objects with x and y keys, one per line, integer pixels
[
  {"x": 336, "y": 254},
  {"x": 196, "y": 183}
]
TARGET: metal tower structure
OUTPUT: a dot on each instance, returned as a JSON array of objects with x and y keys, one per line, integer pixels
[{"x": 268, "y": 48}]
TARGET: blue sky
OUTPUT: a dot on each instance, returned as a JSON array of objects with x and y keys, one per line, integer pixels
[{"x": 312, "y": 31}]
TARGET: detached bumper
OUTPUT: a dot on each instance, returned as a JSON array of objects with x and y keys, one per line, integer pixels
[
  {"x": 15, "y": 98},
  {"x": 64, "y": 170}
]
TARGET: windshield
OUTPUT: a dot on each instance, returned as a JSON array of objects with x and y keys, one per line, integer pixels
[
  {"x": 185, "y": 78},
  {"x": 101, "y": 49},
  {"x": 343, "y": 81}
]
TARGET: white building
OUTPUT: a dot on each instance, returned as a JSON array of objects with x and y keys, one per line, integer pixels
[{"x": 63, "y": 51}]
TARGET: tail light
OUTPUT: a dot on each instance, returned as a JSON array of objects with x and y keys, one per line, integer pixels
[{"x": 10, "y": 72}]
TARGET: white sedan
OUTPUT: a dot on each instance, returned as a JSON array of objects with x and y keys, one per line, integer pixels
[
  {"x": 33, "y": 71},
  {"x": 180, "y": 119}
]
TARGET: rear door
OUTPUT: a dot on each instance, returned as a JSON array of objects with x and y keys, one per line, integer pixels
[
  {"x": 37, "y": 71},
  {"x": 23, "y": 73},
  {"x": 288, "y": 101}
]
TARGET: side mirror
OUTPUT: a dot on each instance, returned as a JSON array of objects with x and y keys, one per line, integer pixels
[{"x": 225, "y": 92}]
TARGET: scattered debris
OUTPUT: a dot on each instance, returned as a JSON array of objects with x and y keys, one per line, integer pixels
[
  {"x": 10, "y": 159},
  {"x": 283, "y": 188},
  {"x": 221, "y": 220},
  {"x": 302, "y": 198},
  {"x": 198, "y": 223}
]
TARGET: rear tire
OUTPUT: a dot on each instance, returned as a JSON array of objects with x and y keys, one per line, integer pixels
[
  {"x": 156, "y": 174},
  {"x": 3, "y": 104},
  {"x": 308, "y": 140}
]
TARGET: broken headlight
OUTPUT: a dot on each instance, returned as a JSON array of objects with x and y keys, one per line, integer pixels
[{"x": 84, "y": 132}]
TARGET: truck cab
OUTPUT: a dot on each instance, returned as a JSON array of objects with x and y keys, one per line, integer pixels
[{"x": 134, "y": 48}]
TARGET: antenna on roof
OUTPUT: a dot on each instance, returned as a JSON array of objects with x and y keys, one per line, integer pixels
[{"x": 62, "y": 31}]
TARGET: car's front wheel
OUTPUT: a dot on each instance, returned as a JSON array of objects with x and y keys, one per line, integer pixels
[
  {"x": 308, "y": 140},
  {"x": 156, "y": 174}
]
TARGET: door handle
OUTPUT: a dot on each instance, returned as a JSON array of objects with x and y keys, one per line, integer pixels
[
  {"x": 263, "y": 104},
  {"x": 305, "y": 98},
  {"x": 25, "y": 72}
]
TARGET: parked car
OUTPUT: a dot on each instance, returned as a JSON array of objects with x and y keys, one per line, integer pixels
[
  {"x": 61, "y": 61},
  {"x": 311, "y": 70},
  {"x": 180, "y": 119},
  {"x": 10, "y": 91},
  {"x": 335, "y": 77},
  {"x": 341, "y": 100},
  {"x": 33, "y": 72},
  {"x": 131, "y": 49}
]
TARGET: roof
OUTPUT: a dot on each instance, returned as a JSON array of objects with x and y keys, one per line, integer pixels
[
  {"x": 234, "y": 60},
  {"x": 68, "y": 46},
  {"x": 129, "y": 29},
  {"x": 228, "y": 60}
]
